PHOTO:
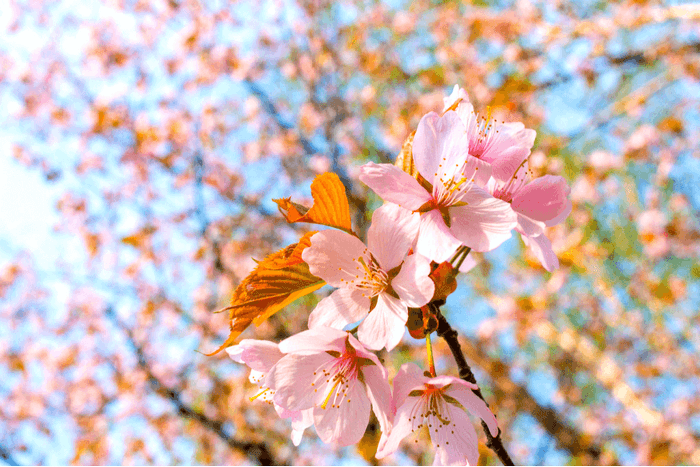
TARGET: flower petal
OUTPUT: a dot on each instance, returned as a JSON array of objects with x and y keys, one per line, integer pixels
[
  {"x": 468, "y": 264},
  {"x": 464, "y": 394},
  {"x": 316, "y": 340},
  {"x": 413, "y": 283},
  {"x": 342, "y": 307},
  {"x": 484, "y": 222},
  {"x": 435, "y": 241},
  {"x": 404, "y": 425},
  {"x": 384, "y": 326},
  {"x": 529, "y": 226},
  {"x": 394, "y": 185},
  {"x": 439, "y": 144},
  {"x": 392, "y": 234},
  {"x": 508, "y": 162},
  {"x": 291, "y": 378},
  {"x": 562, "y": 216},
  {"x": 408, "y": 378},
  {"x": 301, "y": 420},
  {"x": 333, "y": 255},
  {"x": 543, "y": 199},
  {"x": 345, "y": 418},
  {"x": 541, "y": 247},
  {"x": 456, "y": 443},
  {"x": 258, "y": 354},
  {"x": 379, "y": 393}
]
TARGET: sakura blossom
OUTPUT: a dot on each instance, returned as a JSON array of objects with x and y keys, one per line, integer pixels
[
  {"x": 454, "y": 207},
  {"x": 377, "y": 282},
  {"x": 329, "y": 372},
  {"x": 260, "y": 356},
  {"x": 439, "y": 405},
  {"x": 538, "y": 204},
  {"x": 503, "y": 145}
]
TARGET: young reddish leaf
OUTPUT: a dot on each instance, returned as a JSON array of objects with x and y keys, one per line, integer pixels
[
  {"x": 330, "y": 204},
  {"x": 444, "y": 276},
  {"x": 277, "y": 281}
]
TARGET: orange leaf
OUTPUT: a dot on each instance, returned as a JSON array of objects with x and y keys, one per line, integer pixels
[
  {"x": 277, "y": 281},
  {"x": 330, "y": 204}
]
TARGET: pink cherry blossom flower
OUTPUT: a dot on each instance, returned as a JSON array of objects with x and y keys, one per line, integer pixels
[
  {"x": 260, "y": 356},
  {"x": 329, "y": 372},
  {"x": 456, "y": 210},
  {"x": 503, "y": 145},
  {"x": 540, "y": 203},
  {"x": 439, "y": 404},
  {"x": 363, "y": 273}
]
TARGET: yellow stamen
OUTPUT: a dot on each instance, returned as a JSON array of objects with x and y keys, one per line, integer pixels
[
  {"x": 330, "y": 393},
  {"x": 258, "y": 395}
]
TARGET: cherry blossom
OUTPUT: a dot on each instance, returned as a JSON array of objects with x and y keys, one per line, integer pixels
[
  {"x": 328, "y": 371},
  {"x": 260, "y": 356},
  {"x": 503, "y": 145},
  {"x": 540, "y": 203},
  {"x": 439, "y": 404},
  {"x": 366, "y": 275},
  {"x": 455, "y": 209}
]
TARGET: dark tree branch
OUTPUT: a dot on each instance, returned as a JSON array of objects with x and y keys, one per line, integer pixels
[
  {"x": 6, "y": 457},
  {"x": 451, "y": 337},
  {"x": 259, "y": 452}
]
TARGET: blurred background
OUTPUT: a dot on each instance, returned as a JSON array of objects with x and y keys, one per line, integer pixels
[{"x": 141, "y": 143}]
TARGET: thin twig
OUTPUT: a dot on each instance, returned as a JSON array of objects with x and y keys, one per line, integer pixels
[{"x": 450, "y": 336}]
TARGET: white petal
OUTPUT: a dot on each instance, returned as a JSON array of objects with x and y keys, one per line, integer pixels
[
  {"x": 408, "y": 378},
  {"x": 291, "y": 378},
  {"x": 435, "y": 241},
  {"x": 529, "y": 226},
  {"x": 342, "y": 307},
  {"x": 484, "y": 222},
  {"x": 384, "y": 326},
  {"x": 404, "y": 425},
  {"x": 333, "y": 255},
  {"x": 439, "y": 144},
  {"x": 394, "y": 185},
  {"x": 541, "y": 247},
  {"x": 316, "y": 340},
  {"x": 413, "y": 283},
  {"x": 345, "y": 418},
  {"x": 391, "y": 234},
  {"x": 379, "y": 393},
  {"x": 474, "y": 404}
]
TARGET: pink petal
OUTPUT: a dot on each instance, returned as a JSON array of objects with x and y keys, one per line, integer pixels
[
  {"x": 394, "y": 185},
  {"x": 384, "y": 326},
  {"x": 464, "y": 394},
  {"x": 508, "y": 162},
  {"x": 301, "y": 420},
  {"x": 260, "y": 355},
  {"x": 484, "y": 222},
  {"x": 342, "y": 307},
  {"x": 316, "y": 340},
  {"x": 439, "y": 144},
  {"x": 543, "y": 199},
  {"x": 404, "y": 425},
  {"x": 379, "y": 393},
  {"x": 412, "y": 283},
  {"x": 435, "y": 241},
  {"x": 562, "y": 216},
  {"x": 292, "y": 376},
  {"x": 458, "y": 95},
  {"x": 529, "y": 226},
  {"x": 333, "y": 255},
  {"x": 456, "y": 443},
  {"x": 408, "y": 378},
  {"x": 362, "y": 352},
  {"x": 345, "y": 418},
  {"x": 392, "y": 234},
  {"x": 477, "y": 170},
  {"x": 541, "y": 247}
]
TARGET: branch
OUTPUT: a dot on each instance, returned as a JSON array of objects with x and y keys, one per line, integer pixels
[
  {"x": 567, "y": 437},
  {"x": 445, "y": 331},
  {"x": 6, "y": 457},
  {"x": 259, "y": 452}
]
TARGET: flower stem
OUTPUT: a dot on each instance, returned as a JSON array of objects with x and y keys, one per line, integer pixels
[
  {"x": 431, "y": 362},
  {"x": 464, "y": 251}
]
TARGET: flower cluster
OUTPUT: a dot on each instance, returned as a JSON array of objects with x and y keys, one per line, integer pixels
[{"x": 468, "y": 190}]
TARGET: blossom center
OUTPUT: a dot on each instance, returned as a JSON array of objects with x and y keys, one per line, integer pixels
[
  {"x": 340, "y": 374},
  {"x": 485, "y": 134},
  {"x": 369, "y": 276},
  {"x": 507, "y": 190}
]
